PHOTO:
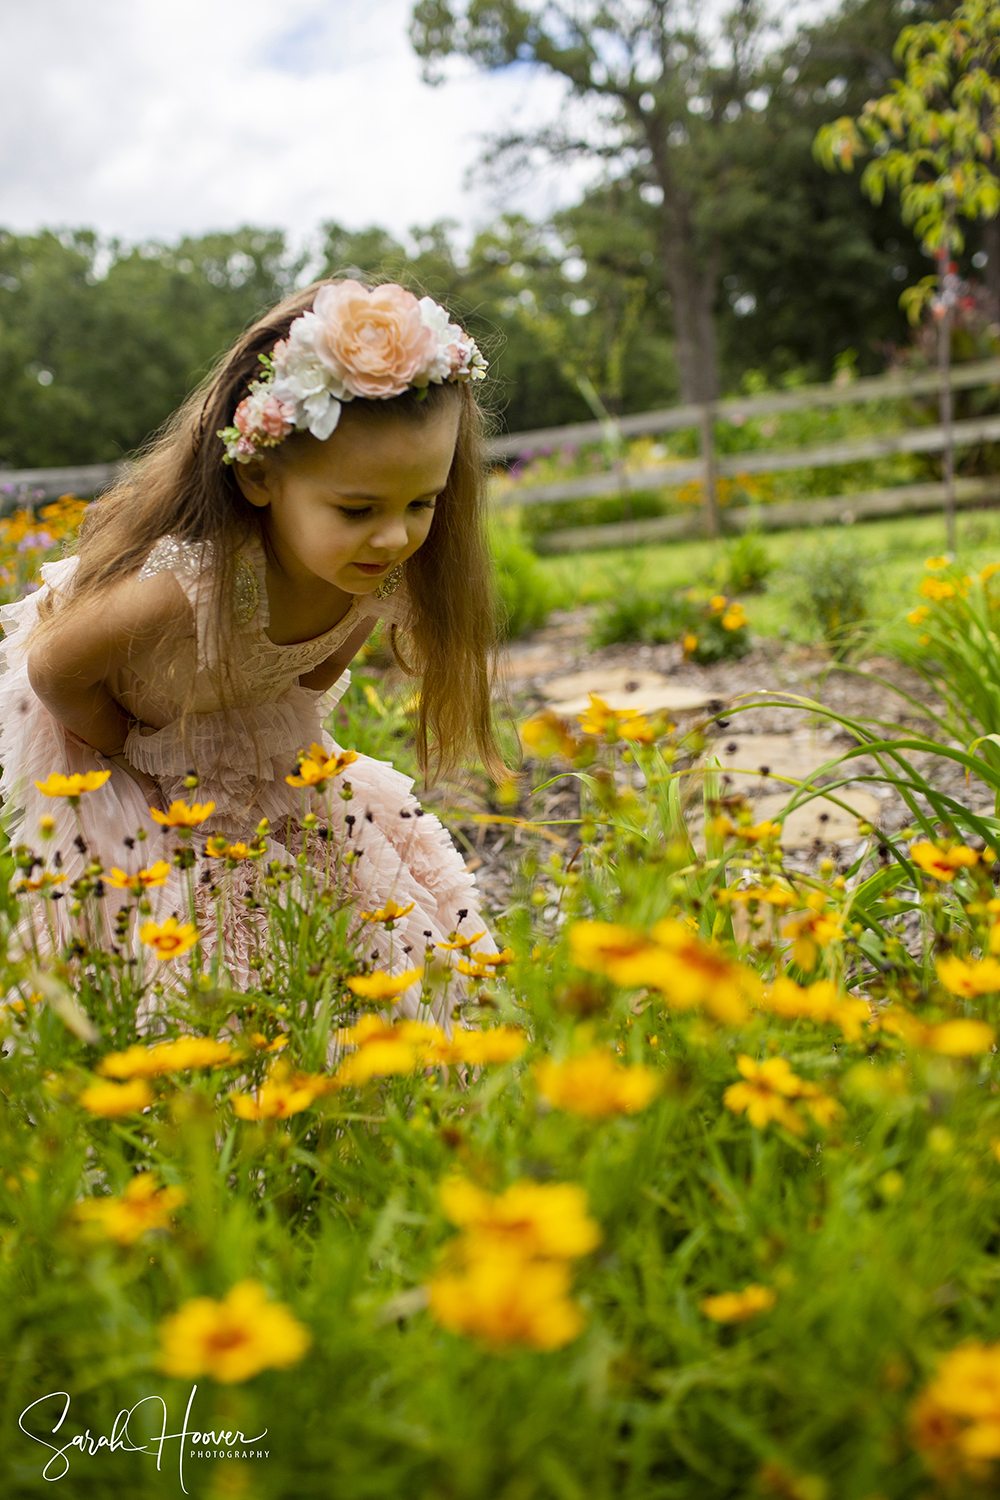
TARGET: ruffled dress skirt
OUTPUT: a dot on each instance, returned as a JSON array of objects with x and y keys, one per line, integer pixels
[{"x": 399, "y": 853}]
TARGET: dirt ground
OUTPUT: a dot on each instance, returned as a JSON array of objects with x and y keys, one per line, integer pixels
[{"x": 763, "y": 745}]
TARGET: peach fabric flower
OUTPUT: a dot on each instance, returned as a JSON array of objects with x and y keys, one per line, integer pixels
[{"x": 375, "y": 341}]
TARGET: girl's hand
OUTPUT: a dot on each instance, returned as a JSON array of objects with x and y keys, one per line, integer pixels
[{"x": 149, "y": 787}]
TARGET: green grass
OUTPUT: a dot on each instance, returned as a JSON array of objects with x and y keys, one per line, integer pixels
[{"x": 898, "y": 549}]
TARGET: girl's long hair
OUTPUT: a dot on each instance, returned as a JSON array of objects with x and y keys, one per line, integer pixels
[{"x": 179, "y": 486}]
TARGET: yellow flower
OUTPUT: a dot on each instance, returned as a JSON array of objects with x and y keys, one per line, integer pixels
[
  {"x": 530, "y": 1219},
  {"x": 72, "y": 786},
  {"x": 955, "y": 1422},
  {"x": 157, "y": 874},
  {"x": 499, "y": 1044},
  {"x": 917, "y": 616},
  {"x": 765, "y": 1094},
  {"x": 773, "y": 895},
  {"x": 217, "y": 847},
  {"x": 969, "y": 977},
  {"x": 316, "y": 768},
  {"x": 736, "y": 1307},
  {"x": 612, "y": 949},
  {"x": 942, "y": 864},
  {"x": 985, "y": 574},
  {"x": 733, "y": 619},
  {"x": 280, "y": 1095},
  {"x": 690, "y": 644},
  {"x": 180, "y": 815},
  {"x": 961, "y": 1038},
  {"x": 382, "y": 1050},
  {"x": 169, "y": 940},
  {"x": 382, "y": 986},
  {"x": 231, "y": 1340},
  {"x": 937, "y": 589},
  {"x": 110, "y": 1100},
  {"x": 175, "y": 1056},
  {"x": 143, "y": 1205},
  {"x": 547, "y": 734},
  {"x": 595, "y": 1085},
  {"x": 818, "y": 929},
  {"x": 389, "y": 913},
  {"x": 695, "y": 973},
  {"x": 717, "y": 603},
  {"x": 505, "y": 1301},
  {"x": 819, "y": 1002},
  {"x": 600, "y": 719},
  {"x": 44, "y": 883},
  {"x": 935, "y": 564},
  {"x": 459, "y": 944},
  {"x": 750, "y": 833}
]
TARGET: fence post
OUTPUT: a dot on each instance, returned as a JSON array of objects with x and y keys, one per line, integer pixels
[{"x": 708, "y": 468}]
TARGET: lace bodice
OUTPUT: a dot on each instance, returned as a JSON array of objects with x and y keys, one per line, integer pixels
[{"x": 256, "y": 670}]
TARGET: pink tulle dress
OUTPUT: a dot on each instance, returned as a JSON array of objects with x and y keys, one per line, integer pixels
[{"x": 242, "y": 758}]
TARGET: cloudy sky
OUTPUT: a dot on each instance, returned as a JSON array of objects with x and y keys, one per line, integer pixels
[{"x": 148, "y": 119}]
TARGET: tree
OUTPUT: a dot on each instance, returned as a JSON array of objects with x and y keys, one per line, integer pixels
[
  {"x": 667, "y": 104},
  {"x": 934, "y": 138}
]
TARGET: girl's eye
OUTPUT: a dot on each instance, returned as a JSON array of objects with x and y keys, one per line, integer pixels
[{"x": 355, "y": 515}]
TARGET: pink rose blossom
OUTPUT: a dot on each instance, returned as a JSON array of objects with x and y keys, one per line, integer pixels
[
  {"x": 243, "y": 416},
  {"x": 276, "y": 418},
  {"x": 375, "y": 341},
  {"x": 245, "y": 447}
]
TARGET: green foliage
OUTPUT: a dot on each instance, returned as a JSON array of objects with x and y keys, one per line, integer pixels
[
  {"x": 745, "y": 565},
  {"x": 831, "y": 587},
  {"x": 526, "y": 594},
  {"x": 712, "y": 630}
]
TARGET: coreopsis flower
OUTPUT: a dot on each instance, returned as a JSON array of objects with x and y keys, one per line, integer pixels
[
  {"x": 260, "y": 1041},
  {"x": 766, "y": 1093},
  {"x": 142, "y": 880},
  {"x": 217, "y": 847},
  {"x": 695, "y": 973},
  {"x": 748, "y": 833},
  {"x": 233, "y": 1339},
  {"x": 813, "y": 932},
  {"x": 316, "y": 768},
  {"x": 390, "y": 913},
  {"x": 969, "y": 977},
  {"x": 917, "y": 616},
  {"x": 595, "y": 1085},
  {"x": 985, "y": 574},
  {"x": 960, "y": 1037},
  {"x": 382, "y": 1049},
  {"x": 532, "y": 1220},
  {"x": 280, "y": 1095},
  {"x": 458, "y": 944},
  {"x": 820, "y": 1002},
  {"x": 734, "y": 618},
  {"x": 180, "y": 816},
  {"x": 938, "y": 589},
  {"x": 955, "y": 1422},
  {"x": 472, "y": 969},
  {"x": 717, "y": 603},
  {"x": 505, "y": 1301},
  {"x": 112, "y": 1100},
  {"x": 935, "y": 564},
  {"x": 498, "y": 1044},
  {"x": 599, "y": 719},
  {"x": 690, "y": 644},
  {"x": 547, "y": 734},
  {"x": 176, "y": 1056},
  {"x": 772, "y": 895},
  {"x": 39, "y": 886},
  {"x": 382, "y": 986},
  {"x": 943, "y": 864},
  {"x": 611, "y": 949},
  {"x": 143, "y": 1205},
  {"x": 169, "y": 940},
  {"x": 72, "y": 787},
  {"x": 737, "y": 1307}
]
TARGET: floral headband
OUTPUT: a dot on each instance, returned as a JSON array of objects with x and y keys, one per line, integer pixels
[{"x": 355, "y": 341}]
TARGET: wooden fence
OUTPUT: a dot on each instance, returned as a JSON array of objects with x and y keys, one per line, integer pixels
[
  {"x": 31, "y": 485},
  {"x": 709, "y": 464}
]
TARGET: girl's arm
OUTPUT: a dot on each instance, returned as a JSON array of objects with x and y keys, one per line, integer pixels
[
  {"x": 326, "y": 674},
  {"x": 71, "y": 664}
]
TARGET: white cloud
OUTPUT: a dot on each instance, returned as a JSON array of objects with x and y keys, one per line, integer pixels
[{"x": 150, "y": 120}]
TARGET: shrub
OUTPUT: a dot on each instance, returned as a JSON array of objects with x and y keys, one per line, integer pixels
[
  {"x": 712, "y": 629},
  {"x": 830, "y": 585},
  {"x": 525, "y": 592},
  {"x": 744, "y": 566}
]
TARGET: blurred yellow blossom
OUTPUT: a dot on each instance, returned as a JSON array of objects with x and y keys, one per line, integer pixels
[
  {"x": 382, "y": 986},
  {"x": 969, "y": 977},
  {"x": 316, "y": 768},
  {"x": 595, "y": 1085},
  {"x": 175, "y": 1056},
  {"x": 180, "y": 815},
  {"x": 111, "y": 1100},
  {"x": 941, "y": 863},
  {"x": 143, "y": 1205},
  {"x": 169, "y": 940},
  {"x": 530, "y": 1219},
  {"x": 73, "y": 786},
  {"x": 505, "y": 1301},
  {"x": 766, "y": 1093},
  {"x": 736, "y": 1307},
  {"x": 233, "y": 1339},
  {"x": 141, "y": 881},
  {"x": 955, "y": 1422}
]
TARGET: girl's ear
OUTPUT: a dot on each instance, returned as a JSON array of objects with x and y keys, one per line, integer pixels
[{"x": 256, "y": 482}]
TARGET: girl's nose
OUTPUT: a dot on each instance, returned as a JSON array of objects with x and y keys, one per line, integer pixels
[{"x": 390, "y": 536}]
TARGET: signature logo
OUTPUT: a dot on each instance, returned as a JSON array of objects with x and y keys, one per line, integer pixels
[{"x": 191, "y": 1441}]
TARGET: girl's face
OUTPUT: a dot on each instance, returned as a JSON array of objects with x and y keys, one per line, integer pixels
[{"x": 347, "y": 510}]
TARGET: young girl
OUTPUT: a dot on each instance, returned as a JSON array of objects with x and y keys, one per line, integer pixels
[{"x": 327, "y": 476}]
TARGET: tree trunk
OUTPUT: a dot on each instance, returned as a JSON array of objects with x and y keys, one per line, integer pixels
[{"x": 692, "y": 294}]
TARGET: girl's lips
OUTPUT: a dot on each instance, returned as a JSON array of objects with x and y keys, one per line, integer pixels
[{"x": 372, "y": 568}]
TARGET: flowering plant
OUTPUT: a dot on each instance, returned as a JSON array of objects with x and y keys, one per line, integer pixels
[{"x": 373, "y": 342}]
